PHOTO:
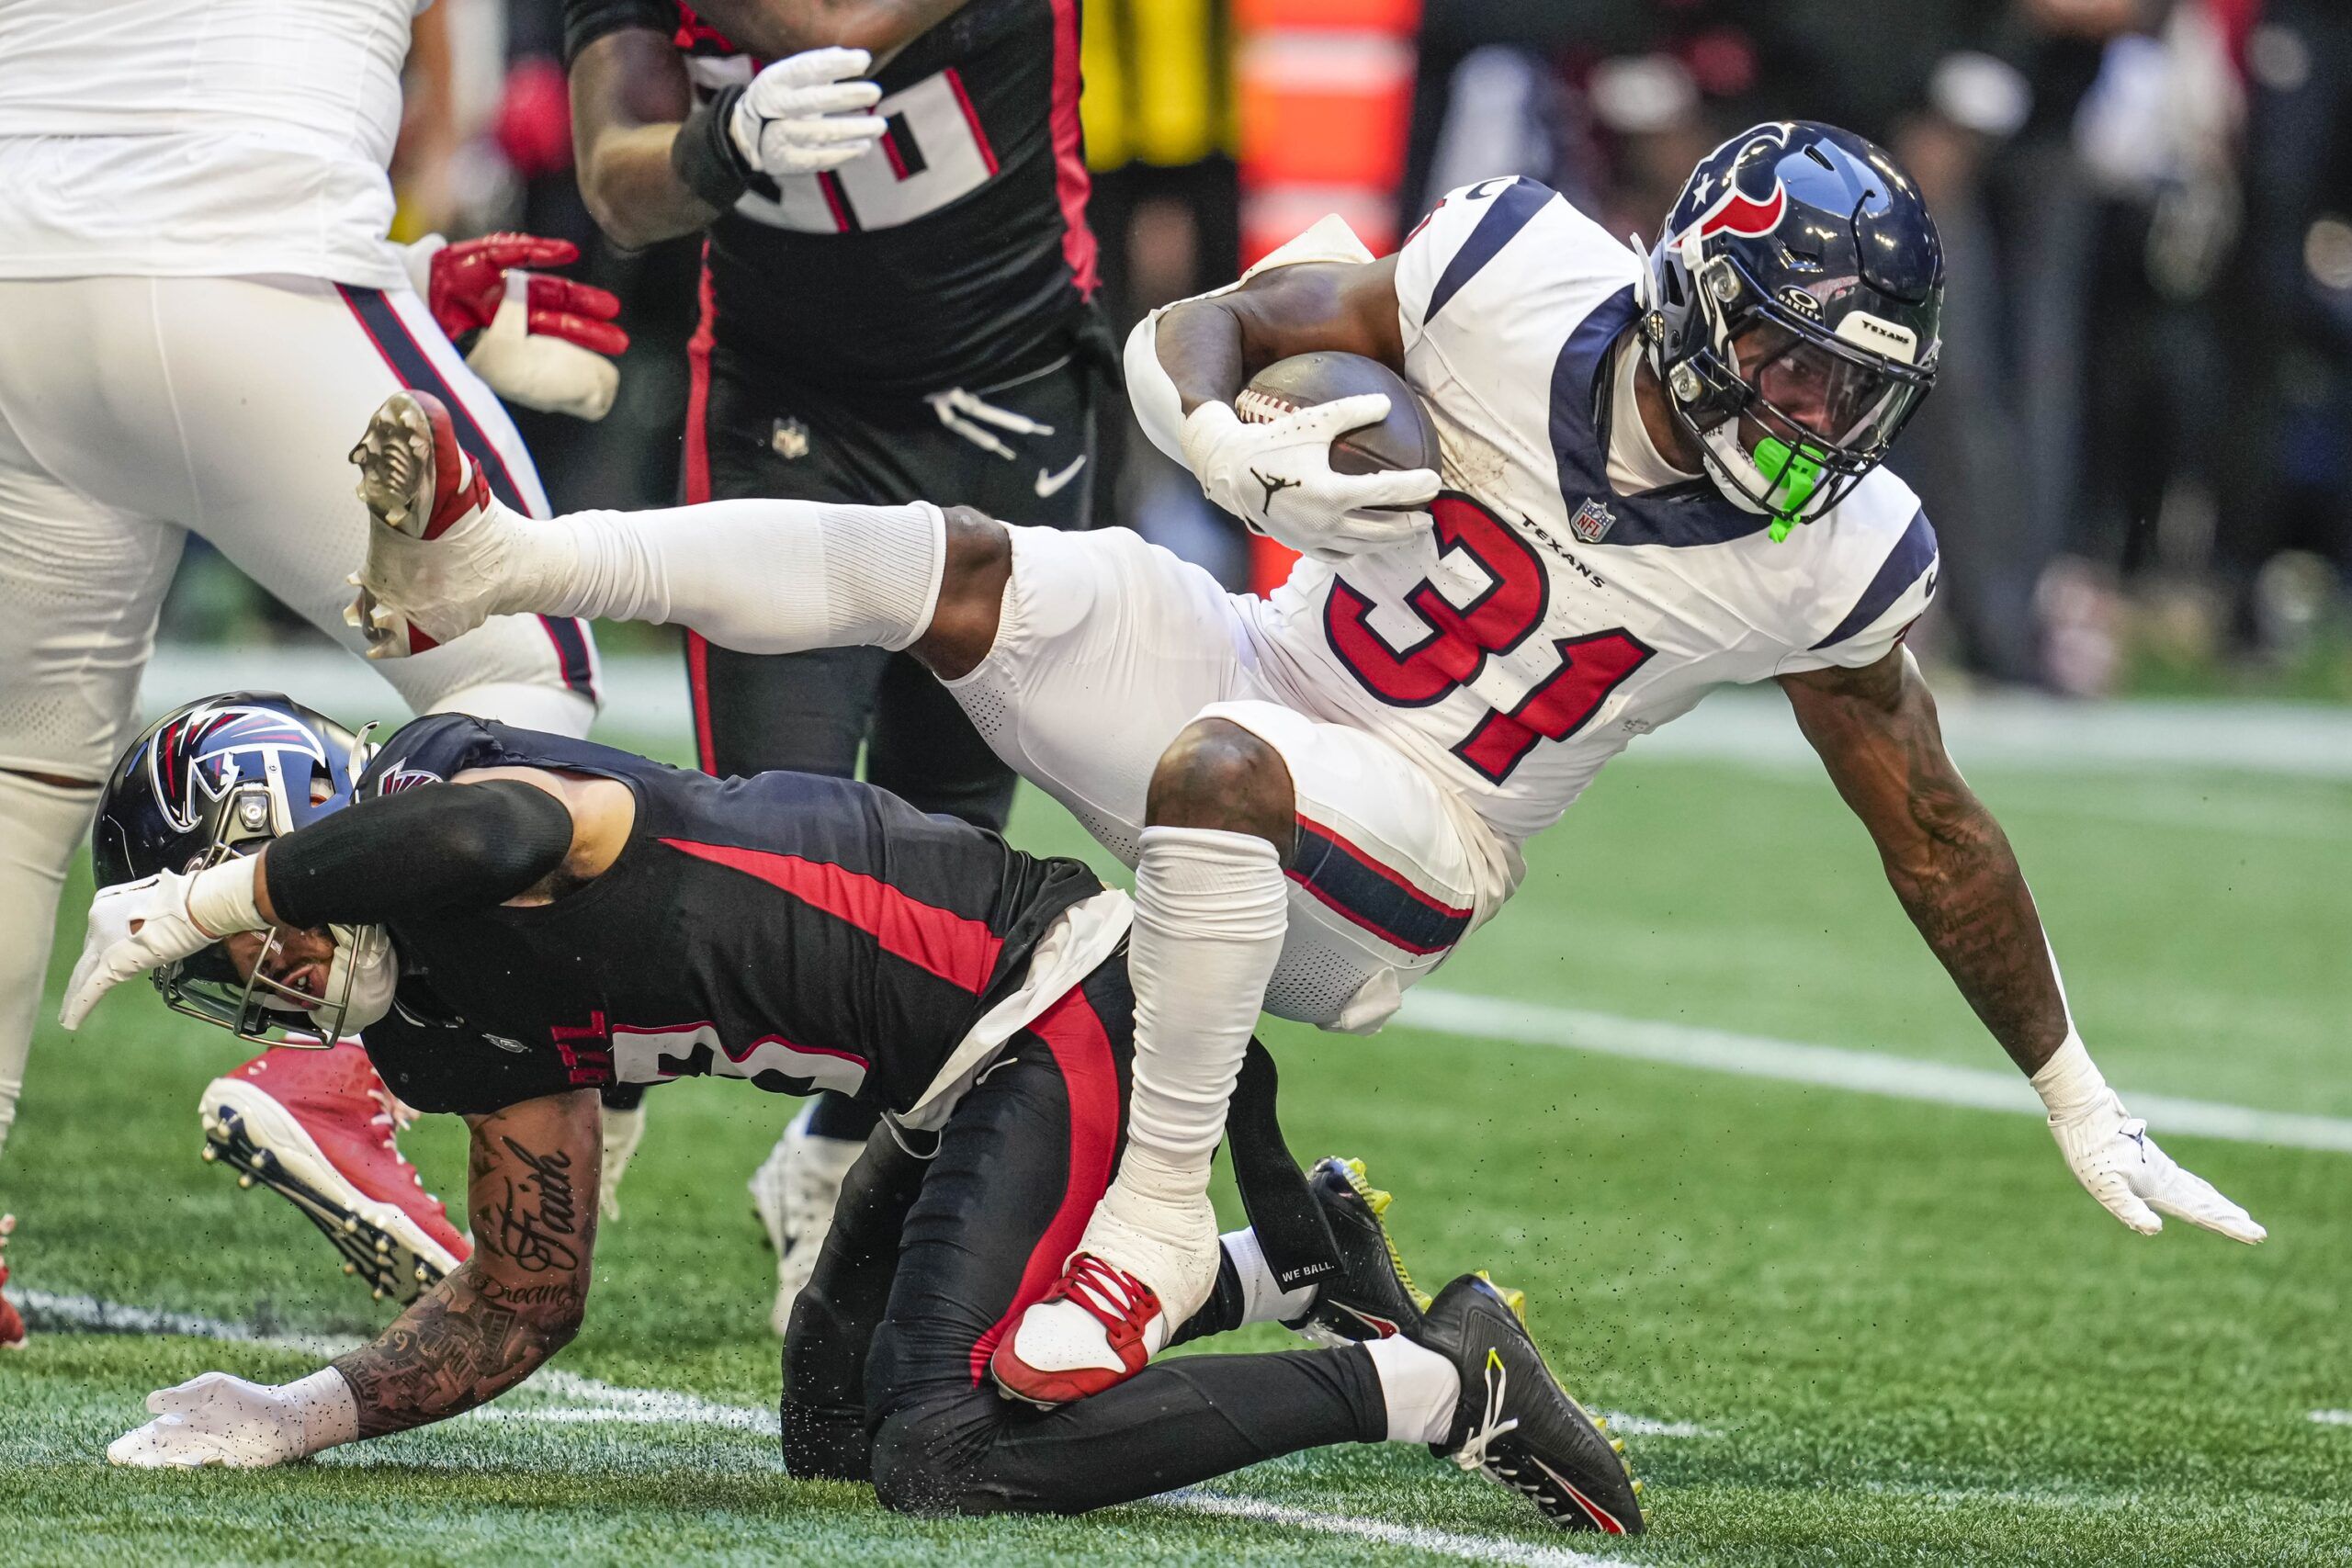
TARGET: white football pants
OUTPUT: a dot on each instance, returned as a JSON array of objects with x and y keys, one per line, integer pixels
[{"x": 135, "y": 412}]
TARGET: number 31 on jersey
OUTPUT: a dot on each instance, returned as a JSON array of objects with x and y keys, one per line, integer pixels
[{"x": 1461, "y": 639}]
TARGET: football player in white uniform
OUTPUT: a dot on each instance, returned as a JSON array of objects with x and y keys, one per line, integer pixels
[
  {"x": 198, "y": 302},
  {"x": 1661, "y": 474}
]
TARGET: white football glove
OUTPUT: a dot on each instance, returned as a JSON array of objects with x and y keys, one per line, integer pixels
[
  {"x": 136, "y": 927},
  {"x": 800, "y": 115},
  {"x": 2112, "y": 1155},
  {"x": 216, "y": 1420},
  {"x": 1277, "y": 477}
]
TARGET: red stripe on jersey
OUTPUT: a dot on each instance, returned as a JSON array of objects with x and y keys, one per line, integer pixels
[
  {"x": 960, "y": 951},
  {"x": 698, "y": 460},
  {"x": 972, "y": 119},
  {"x": 1071, "y": 181},
  {"x": 1073, "y": 1031},
  {"x": 831, "y": 185}
]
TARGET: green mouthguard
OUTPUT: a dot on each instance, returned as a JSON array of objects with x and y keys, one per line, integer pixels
[{"x": 1797, "y": 471}]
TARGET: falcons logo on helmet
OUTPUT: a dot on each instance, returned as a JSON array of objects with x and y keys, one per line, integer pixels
[{"x": 200, "y": 756}]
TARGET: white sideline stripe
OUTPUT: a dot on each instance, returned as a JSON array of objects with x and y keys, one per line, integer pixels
[
  {"x": 2333, "y": 1417},
  {"x": 1627, "y": 1426},
  {"x": 605, "y": 1402},
  {"x": 1831, "y": 1066},
  {"x": 1419, "y": 1537}
]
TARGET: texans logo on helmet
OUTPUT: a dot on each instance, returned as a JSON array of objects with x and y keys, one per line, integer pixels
[{"x": 207, "y": 750}]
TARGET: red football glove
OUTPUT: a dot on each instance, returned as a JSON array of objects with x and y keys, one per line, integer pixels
[{"x": 467, "y": 283}]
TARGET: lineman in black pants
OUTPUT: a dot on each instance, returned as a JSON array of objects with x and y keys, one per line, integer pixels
[{"x": 897, "y": 305}]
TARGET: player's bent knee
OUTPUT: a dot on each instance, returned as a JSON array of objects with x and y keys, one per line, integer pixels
[
  {"x": 915, "y": 1467},
  {"x": 1217, "y": 774},
  {"x": 971, "y": 594},
  {"x": 826, "y": 1442}
]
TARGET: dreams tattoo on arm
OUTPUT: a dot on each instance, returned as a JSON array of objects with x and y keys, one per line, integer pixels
[{"x": 518, "y": 1300}]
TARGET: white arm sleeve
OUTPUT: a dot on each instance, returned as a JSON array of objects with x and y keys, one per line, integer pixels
[{"x": 1160, "y": 408}]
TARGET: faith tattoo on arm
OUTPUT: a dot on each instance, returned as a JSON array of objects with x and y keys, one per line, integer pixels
[{"x": 519, "y": 1299}]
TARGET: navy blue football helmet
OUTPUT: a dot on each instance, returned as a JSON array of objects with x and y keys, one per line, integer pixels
[
  {"x": 218, "y": 777},
  {"x": 1793, "y": 311}
]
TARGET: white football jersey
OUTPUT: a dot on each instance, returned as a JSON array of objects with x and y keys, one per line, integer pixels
[
  {"x": 1550, "y": 620},
  {"x": 220, "y": 137}
]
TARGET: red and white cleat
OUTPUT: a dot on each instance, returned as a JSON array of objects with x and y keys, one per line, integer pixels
[
  {"x": 317, "y": 1126},
  {"x": 1098, "y": 1326},
  {"x": 433, "y": 557},
  {"x": 12, "y": 1325}
]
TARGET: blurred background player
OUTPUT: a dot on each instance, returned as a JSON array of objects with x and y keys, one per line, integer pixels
[
  {"x": 196, "y": 288},
  {"x": 897, "y": 305}
]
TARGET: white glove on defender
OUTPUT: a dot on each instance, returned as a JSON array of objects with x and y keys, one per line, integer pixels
[
  {"x": 1277, "y": 477},
  {"x": 2112, "y": 1155},
  {"x": 219, "y": 1419},
  {"x": 541, "y": 370},
  {"x": 799, "y": 116},
  {"x": 140, "y": 926}
]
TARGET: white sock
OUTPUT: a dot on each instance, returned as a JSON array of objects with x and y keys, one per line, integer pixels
[
  {"x": 1210, "y": 911},
  {"x": 40, "y": 826},
  {"x": 1419, "y": 1386},
  {"x": 1262, "y": 1300},
  {"x": 757, "y": 576}
]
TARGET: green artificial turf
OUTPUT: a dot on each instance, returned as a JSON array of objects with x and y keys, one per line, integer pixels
[{"x": 1875, "y": 1331}]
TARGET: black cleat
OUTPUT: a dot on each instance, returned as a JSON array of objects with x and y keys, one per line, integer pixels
[
  {"x": 1376, "y": 1296},
  {"x": 1517, "y": 1425}
]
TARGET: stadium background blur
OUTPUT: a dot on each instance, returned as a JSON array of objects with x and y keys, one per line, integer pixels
[{"x": 2136, "y": 458}]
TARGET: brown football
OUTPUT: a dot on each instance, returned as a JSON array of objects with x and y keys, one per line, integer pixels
[{"x": 1406, "y": 439}]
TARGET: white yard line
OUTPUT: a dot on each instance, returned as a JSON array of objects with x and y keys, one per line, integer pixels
[
  {"x": 1831, "y": 1066},
  {"x": 2332, "y": 1417},
  {"x": 592, "y": 1401},
  {"x": 1421, "y": 1538}
]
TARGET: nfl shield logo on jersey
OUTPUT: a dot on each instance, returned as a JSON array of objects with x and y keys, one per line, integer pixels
[{"x": 1592, "y": 521}]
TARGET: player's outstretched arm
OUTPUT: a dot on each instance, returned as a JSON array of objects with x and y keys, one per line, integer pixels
[
  {"x": 518, "y": 1300},
  {"x": 493, "y": 1322},
  {"x": 1952, "y": 866}
]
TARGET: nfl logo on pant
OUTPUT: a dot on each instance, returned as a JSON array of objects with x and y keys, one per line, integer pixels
[{"x": 1592, "y": 520}]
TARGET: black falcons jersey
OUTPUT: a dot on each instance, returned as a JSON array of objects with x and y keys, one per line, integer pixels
[
  {"x": 802, "y": 933},
  {"x": 954, "y": 252}
]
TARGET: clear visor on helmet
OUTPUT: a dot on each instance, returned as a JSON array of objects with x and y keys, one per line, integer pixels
[{"x": 1810, "y": 391}]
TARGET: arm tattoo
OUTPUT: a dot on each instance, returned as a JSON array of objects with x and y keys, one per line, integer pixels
[
  {"x": 503, "y": 1312},
  {"x": 1947, "y": 858},
  {"x": 467, "y": 1342},
  {"x": 534, "y": 1224}
]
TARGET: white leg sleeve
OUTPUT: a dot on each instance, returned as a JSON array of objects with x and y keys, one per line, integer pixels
[
  {"x": 756, "y": 576},
  {"x": 40, "y": 825},
  {"x": 1210, "y": 909}
]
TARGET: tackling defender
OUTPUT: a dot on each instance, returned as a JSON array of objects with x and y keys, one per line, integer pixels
[
  {"x": 195, "y": 286},
  {"x": 549, "y": 916},
  {"x": 1662, "y": 474}
]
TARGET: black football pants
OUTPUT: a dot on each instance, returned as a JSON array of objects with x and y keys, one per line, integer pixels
[
  {"x": 768, "y": 437},
  {"x": 930, "y": 1263}
]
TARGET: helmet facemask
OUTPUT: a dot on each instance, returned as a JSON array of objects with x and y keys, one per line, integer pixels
[
  {"x": 256, "y": 1006},
  {"x": 1789, "y": 416}
]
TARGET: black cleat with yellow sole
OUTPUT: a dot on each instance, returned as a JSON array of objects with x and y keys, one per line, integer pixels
[
  {"x": 1374, "y": 1296},
  {"x": 1516, "y": 1425}
]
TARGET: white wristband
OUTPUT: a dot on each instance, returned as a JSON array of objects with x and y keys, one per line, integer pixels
[
  {"x": 221, "y": 901},
  {"x": 2070, "y": 1082},
  {"x": 324, "y": 1410}
]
